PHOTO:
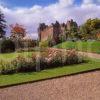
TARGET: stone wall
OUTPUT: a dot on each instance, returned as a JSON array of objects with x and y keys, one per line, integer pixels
[
  {"x": 53, "y": 31},
  {"x": 47, "y": 33}
]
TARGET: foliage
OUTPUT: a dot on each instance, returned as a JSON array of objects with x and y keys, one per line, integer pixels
[
  {"x": 93, "y": 24},
  {"x": 44, "y": 44},
  {"x": 28, "y": 43},
  {"x": 7, "y": 46},
  {"x": 74, "y": 58},
  {"x": 51, "y": 58},
  {"x": 62, "y": 37},
  {"x": 23, "y": 64},
  {"x": 2, "y": 25},
  {"x": 85, "y": 46},
  {"x": 17, "y": 31},
  {"x": 72, "y": 32},
  {"x": 58, "y": 57},
  {"x": 49, "y": 73},
  {"x": 90, "y": 28},
  {"x": 30, "y": 49},
  {"x": 6, "y": 67}
]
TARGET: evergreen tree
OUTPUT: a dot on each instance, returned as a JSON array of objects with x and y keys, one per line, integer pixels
[{"x": 2, "y": 25}]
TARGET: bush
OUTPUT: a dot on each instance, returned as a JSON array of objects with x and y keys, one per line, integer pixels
[
  {"x": 73, "y": 57},
  {"x": 44, "y": 44},
  {"x": 28, "y": 43},
  {"x": 51, "y": 58},
  {"x": 58, "y": 58},
  {"x": 7, "y": 46},
  {"x": 54, "y": 59},
  {"x": 24, "y": 64},
  {"x": 35, "y": 49},
  {"x": 7, "y": 67},
  {"x": 25, "y": 50}
]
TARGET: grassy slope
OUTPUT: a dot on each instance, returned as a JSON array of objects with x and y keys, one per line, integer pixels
[
  {"x": 32, "y": 76},
  {"x": 90, "y": 46}
]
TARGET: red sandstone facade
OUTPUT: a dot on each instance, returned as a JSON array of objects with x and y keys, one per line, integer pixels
[
  {"x": 54, "y": 30},
  {"x": 46, "y": 33}
]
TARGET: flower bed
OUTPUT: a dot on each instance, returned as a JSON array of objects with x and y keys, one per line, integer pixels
[{"x": 51, "y": 58}]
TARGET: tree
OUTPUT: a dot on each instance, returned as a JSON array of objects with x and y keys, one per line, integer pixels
[
  {"x": 72, "y": 31},
  {"x": 7, "y": 46},
  {"x": 90, "y": 27},
  {"x": 17, "y": 31},
  {"x": 2, "y": 25},
  {"x": 93, "y": 24}
]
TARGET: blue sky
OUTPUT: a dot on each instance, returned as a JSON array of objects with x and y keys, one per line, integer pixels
[
  {"x": 29, "y": 3},
  {"x": 30, "y": 13}
]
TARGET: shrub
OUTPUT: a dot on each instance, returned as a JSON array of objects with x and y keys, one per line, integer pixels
[
  {"x": 54, "y": 59},
  {"x": 40, "y": 60},
  {"x": 28, "y": 43},
  {"x": 31, "y": 63},
  {"x": 73, "y": 57},
  {"x": 7, "y": 46},
  {"x": 7, "y": 67},
  {"x": 57, "y": 57},
  {"x": 51, "y": 58},
  {"x": 44, "y": 44},
  {"x": 30, "y": 49},
  {"x": 25, "y": 50},
  {"x": 24, "y": 64}
]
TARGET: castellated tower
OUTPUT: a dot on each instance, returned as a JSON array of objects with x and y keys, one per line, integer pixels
[
  {"x": 54, "y": 30},
  {"x": 51, "y": 31}
]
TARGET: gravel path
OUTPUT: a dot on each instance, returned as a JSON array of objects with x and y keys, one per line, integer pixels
[
  {"x": 91, "y": 55},
  {"x": 78, "y": 87}
]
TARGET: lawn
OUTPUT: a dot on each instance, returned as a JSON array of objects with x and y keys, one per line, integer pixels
[
  {"x": 50, "y": 73},
  {"x": 11, "y": 56},
  {"x": 89, "y": 46}
]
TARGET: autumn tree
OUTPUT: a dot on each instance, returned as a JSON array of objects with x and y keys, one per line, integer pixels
[
  {"x": 2, "y": 25},
  {"x": 17, "y": 31}
]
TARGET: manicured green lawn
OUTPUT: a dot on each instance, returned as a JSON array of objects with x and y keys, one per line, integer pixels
[
  {"x": 10, "y": 56},
  {"x": 33, "y": 76},
  {"x": 89, "y": 46}
]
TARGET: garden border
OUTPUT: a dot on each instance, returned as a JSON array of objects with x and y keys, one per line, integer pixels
[{"x": 29, "y": 82}]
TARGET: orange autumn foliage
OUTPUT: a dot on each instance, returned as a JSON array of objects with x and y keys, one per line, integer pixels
[
  {"x": 18, "y": 31},
  {"x": 98, "y": 35}
]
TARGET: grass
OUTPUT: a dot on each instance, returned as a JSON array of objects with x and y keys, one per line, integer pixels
[
  {"x": 50, "y": 73},
  {"x": 11, "y": 56},
  {"x": 89, "y": 46}
]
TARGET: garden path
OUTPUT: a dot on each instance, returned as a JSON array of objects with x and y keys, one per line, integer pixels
[{"x": 78, "y": 87}]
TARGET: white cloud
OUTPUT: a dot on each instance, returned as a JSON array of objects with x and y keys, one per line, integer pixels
[
  {"x": 88, "y": 3},
  {"x": 61, "y": 11},
  {"x": 65, "y": 3}
]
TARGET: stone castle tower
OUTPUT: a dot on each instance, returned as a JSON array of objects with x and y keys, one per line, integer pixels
[{"x": 53, "y": 31}]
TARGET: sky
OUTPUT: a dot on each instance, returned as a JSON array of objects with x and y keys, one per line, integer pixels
[{"x": 32, "y": 12}]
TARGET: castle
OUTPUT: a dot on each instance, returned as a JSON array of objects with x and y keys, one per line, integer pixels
[{"x": 54, "y": 30}]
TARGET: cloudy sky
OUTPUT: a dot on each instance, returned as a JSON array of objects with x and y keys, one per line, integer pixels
[{"x": 32, "y": 12}]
